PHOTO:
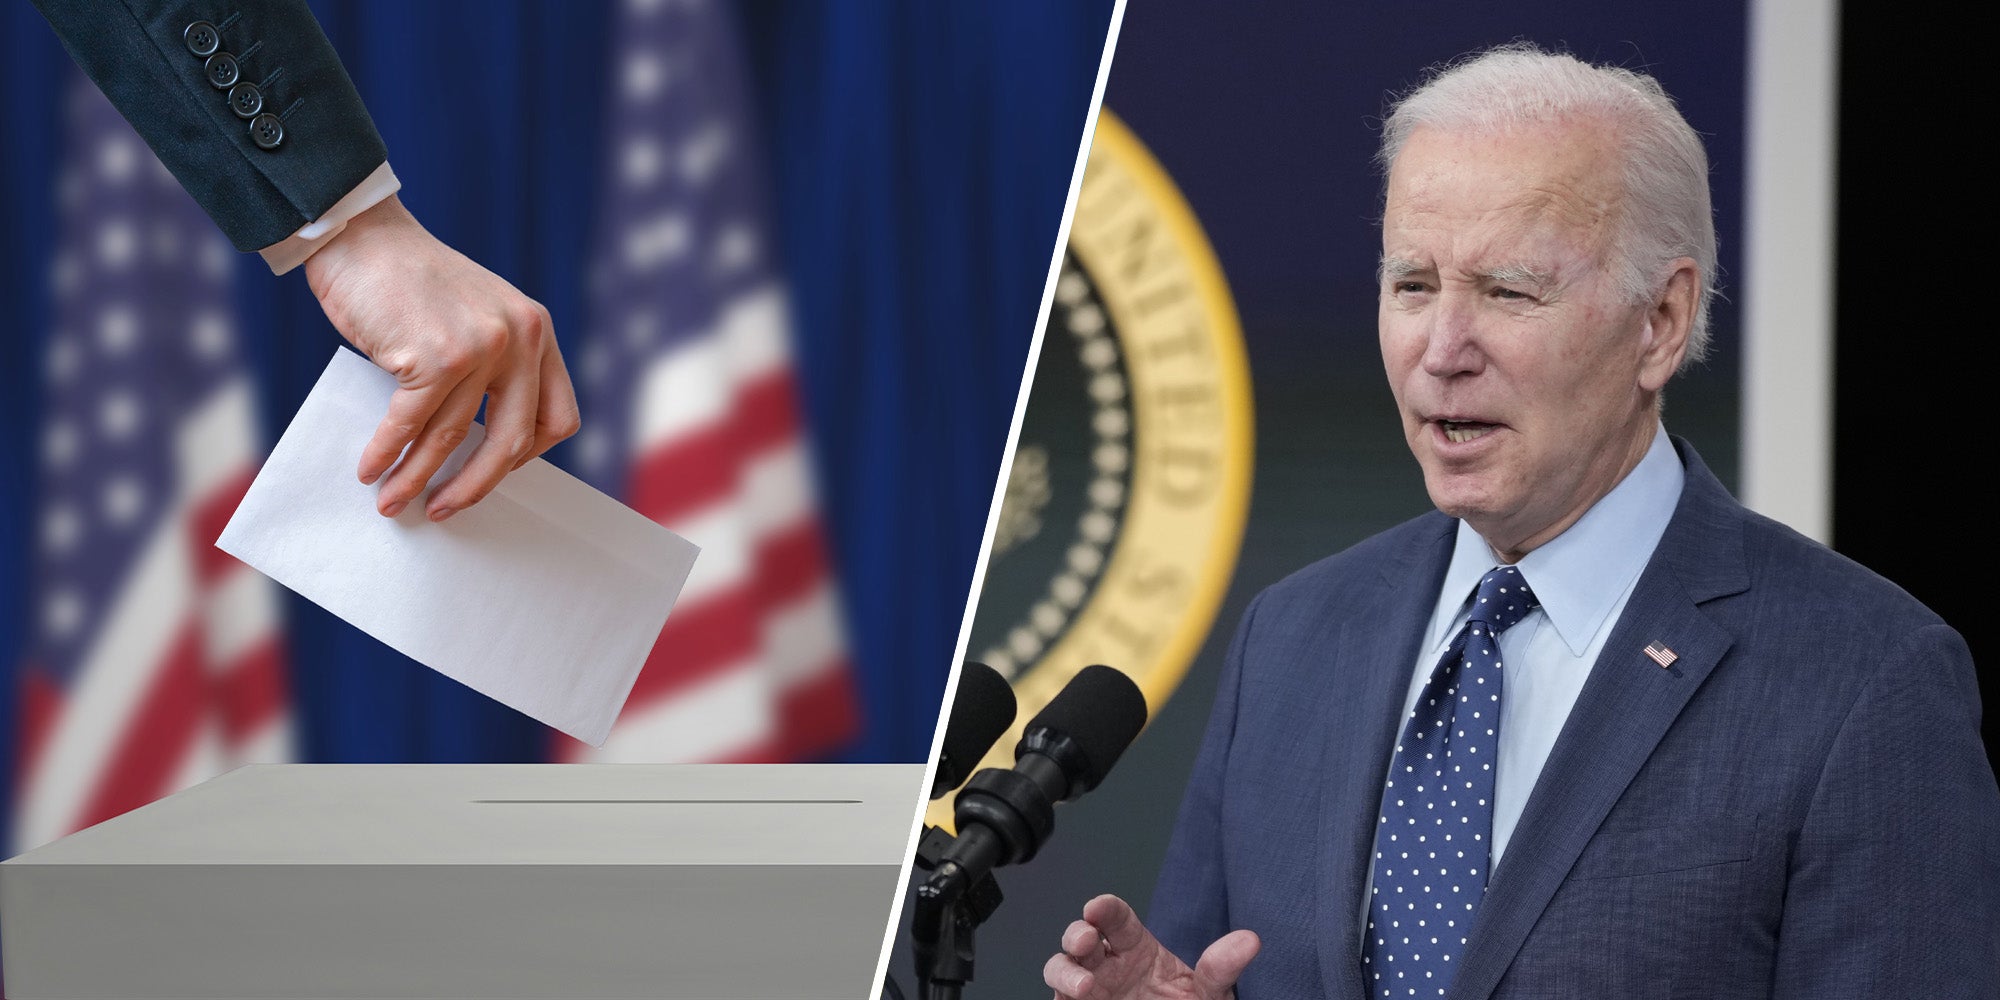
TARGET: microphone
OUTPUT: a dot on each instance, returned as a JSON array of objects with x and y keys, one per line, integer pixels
[
  {"x": 982, "y": 710},
  {"x": 1004, "y": 817}
]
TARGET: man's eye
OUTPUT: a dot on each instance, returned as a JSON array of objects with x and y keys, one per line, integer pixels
[
  {"x": 1409, "y": 287},
  {"x": 1511, "y": 294}
]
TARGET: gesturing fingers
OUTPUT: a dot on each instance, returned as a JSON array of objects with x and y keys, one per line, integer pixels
[
  {"x": 1222, "y": 963},
  {"x": 1103, "y": 955},
  {"x": 1069, "y": 980},
  {"x": 1115, "y": 921},
  {"x": 1081, "y": 941}
]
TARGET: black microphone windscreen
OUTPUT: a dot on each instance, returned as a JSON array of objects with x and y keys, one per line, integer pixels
[
  {"x": 1102, "y": 711},
  {"x": 980, "y": 712}
]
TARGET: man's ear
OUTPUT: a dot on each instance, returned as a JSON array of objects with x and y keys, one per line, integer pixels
[{"x": 1669, "y": 321}]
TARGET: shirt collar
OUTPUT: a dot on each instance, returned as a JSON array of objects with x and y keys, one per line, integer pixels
[{"x": 1581, "y": 574}]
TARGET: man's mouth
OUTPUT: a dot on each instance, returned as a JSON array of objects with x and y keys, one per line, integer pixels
[{"x": 1461, "y": 431}]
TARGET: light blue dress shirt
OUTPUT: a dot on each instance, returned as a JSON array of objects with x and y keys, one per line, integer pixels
[{"x": 1583, "y": 578}]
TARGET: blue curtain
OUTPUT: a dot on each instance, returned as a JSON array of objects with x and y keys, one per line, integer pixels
[
  {"x": 923, "y": 154},
  {"x": 920, "y": 155}
]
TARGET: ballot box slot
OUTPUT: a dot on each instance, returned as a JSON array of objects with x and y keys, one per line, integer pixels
[{"x": 672, "y": 802}]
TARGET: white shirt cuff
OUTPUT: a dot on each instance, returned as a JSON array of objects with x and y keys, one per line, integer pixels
[{"x": 294, "y": 249}]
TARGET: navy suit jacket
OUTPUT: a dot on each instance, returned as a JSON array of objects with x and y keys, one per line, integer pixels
[
  {"x": 1799, "y": 807},
  {"x": 137, "y": 53}
]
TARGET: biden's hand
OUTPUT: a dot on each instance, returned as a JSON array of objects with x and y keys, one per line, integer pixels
[
  {"x": 1110, "y": 955},
  {"x": 452, "y": 333}
]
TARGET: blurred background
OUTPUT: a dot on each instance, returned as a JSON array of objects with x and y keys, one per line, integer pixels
[
  {"x": 883, "y": 178},
  {"x": 1267, "y": 116}
]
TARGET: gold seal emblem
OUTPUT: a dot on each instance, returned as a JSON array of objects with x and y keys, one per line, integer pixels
[{"x": 1126, "y": 496}]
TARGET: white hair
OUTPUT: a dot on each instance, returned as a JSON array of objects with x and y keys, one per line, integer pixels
[{"x": 1665, "y": 211}]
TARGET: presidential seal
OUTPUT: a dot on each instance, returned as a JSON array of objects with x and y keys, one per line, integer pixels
[{"x": 1126, "y": 494}]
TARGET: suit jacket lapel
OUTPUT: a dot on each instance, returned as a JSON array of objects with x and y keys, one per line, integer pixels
[
  {"x": 1623, "y": 711},
  {"x": 1375, "y": 651}
]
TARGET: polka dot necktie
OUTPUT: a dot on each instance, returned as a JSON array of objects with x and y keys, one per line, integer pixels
[{"x": 1432, "y": 844}]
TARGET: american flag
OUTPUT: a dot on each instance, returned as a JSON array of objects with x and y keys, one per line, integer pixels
[
  {"x": 154, "y": 660},
  {"x": 691, "y": 409}
]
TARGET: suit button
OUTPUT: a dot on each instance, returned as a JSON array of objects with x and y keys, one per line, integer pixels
[
  {"x": 222, "y": 70},
  {"x": 267, "y": 131},
  {"x": 246, "y": 100},
  {"x": 202, "y": 38}
]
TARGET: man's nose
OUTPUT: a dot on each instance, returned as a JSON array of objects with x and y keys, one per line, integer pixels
[{"x": 1452, "y": 342}]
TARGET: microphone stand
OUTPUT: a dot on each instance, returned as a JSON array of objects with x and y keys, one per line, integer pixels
[
  {"x": 1005, "y": 816},
  {"x": 949, "y": 907}
]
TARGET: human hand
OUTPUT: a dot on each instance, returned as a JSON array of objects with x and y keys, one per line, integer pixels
[
  {"x": 452, "y": 333},
  {"x": 1110, "y": 955}
]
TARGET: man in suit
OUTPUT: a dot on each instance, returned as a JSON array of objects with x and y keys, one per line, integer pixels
[
  {"x": 1592, "y": 729},
  {"x": 249, "y": 107}
]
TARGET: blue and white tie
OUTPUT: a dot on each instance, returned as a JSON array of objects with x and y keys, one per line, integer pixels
[{"x": 1436, "y": 833}]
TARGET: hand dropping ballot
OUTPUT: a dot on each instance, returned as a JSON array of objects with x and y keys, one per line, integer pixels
[{"x": 546, "y": 596}]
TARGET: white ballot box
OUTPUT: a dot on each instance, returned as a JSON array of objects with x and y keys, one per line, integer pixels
[{"x": 703, "y": 882}]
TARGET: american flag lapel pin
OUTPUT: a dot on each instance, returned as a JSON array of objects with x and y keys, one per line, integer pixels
[{"x": 1661, "y": 654}]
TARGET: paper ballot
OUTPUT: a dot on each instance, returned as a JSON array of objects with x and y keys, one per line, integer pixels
[{"x": 545, "y": 596}]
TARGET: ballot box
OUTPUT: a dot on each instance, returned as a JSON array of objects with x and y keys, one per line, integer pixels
[{"x": 704, "y": 882}]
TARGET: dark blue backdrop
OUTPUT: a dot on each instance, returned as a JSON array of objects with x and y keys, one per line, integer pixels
[{"x": 920, "y": 157}]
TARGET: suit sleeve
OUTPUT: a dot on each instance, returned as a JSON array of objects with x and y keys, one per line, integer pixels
[
  {"x": 1190, "y": 907},
  {"x": 258, "y": 191},
  {"x": 1894, "y": 887}
]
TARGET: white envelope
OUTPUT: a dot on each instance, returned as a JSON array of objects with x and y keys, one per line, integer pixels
[{"x": 546, "y": 596}]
